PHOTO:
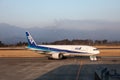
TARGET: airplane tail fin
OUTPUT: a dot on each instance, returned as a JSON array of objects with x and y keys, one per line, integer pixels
[{"x": 31, "y": 41}]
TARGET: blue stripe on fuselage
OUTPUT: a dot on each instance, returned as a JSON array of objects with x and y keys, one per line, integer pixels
[{"x": 42, "y": 48}]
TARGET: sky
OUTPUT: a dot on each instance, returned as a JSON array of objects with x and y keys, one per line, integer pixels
[{"x": 42, "y": 13}]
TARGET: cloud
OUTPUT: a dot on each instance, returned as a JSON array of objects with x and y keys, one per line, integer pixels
[{"x": 86, "y": 25}]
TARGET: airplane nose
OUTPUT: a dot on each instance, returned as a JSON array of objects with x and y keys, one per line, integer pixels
[{"x": 97, "y": 52}]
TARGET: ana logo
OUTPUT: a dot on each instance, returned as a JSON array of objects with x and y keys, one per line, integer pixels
[
  {"x": 77, "y": 48},
  {"x": 31, "y": 39}
]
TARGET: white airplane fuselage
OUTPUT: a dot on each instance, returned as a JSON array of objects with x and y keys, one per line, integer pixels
[{"x": 69, "y": 49}]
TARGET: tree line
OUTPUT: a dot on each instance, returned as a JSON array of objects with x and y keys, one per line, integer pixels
[
  {"x": 13, "y": 45},
  {"x": 68, "y": 42},
  {"x": 84, "y": 42}
]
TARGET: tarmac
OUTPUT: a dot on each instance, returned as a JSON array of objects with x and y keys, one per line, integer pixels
[{"x": 76, "y": 68}]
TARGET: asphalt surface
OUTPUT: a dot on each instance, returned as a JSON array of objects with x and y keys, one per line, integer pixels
[{"x": 78, "y": 68}]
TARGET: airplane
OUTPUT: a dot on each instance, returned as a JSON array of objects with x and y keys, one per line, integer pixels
[{"x": 60, "y": 51}]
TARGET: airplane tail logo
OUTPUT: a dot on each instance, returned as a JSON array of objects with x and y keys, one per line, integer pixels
[{"x": 31, "y": 41}]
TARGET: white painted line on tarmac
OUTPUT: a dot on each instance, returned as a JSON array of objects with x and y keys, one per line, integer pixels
[{"x": 78, "y": 73}]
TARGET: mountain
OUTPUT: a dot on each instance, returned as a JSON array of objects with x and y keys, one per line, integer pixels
[{"x": 10, "y": 34}]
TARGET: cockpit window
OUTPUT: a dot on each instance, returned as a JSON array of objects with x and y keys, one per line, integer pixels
[{"x": 95, "y": 49}]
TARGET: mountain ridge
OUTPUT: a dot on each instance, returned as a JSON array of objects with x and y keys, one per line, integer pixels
[{"x": 11, "y": 34}]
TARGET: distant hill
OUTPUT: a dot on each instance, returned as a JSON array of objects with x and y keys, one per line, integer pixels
[{"x": 12, "y": 34}]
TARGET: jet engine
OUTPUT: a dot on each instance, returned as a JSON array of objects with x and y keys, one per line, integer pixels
[{"x": 57, "y": 56}]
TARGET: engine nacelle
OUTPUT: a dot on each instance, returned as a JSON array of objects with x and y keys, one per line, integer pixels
[{"x": 57, "y": 56}]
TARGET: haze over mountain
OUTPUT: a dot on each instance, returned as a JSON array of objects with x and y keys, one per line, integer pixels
[{"x": 13, "y": 34}]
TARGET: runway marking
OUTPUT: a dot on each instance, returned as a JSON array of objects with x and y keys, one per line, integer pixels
[{"x": 78, "y": 73}]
